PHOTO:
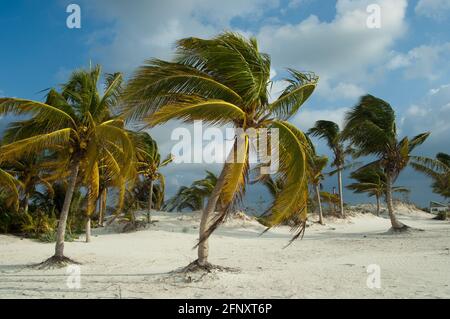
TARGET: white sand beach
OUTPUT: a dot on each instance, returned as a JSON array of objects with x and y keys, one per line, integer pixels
[{"x": 330, "y": 262}]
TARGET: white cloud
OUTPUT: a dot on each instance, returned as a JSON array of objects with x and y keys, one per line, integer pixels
[
  {"x": 306, "y": 118},
  {"x": 432, "y": 114},
  {"x": 426, "y": 61},
  {"x": 342, "y": 50},
  {"x": 434, "y": 9},
  {"x": 146, "y": 29}
]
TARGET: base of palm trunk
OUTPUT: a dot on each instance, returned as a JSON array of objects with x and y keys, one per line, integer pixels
[
  {"x": 195, "y": 266},
  {"x": 404, "y": 229},
  {"x": 56, "y": 262}
]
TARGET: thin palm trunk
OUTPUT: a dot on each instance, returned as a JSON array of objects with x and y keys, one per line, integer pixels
[
  {"x": 203, "y": 247},
  {"x": 396, "y": 225},
  {"x": 101, "y": 217},
  {"x": 150, "y": 202},
  {"x": 378, "y": 205},
  {"x": 88, "y": 229},
  {"x": 26, "y": 203},
  {"x": 59, "y": 247},
  {"x": 341, "y": 195},
  {"x": 319, "y": 202}
]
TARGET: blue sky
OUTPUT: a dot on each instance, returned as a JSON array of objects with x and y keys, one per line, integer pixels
[{"x": 406, "y": 61}]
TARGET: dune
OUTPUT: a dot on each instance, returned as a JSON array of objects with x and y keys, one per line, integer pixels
[{"x": 332, "y": 261}]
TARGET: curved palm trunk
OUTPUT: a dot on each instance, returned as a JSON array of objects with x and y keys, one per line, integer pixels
[
  {"x": 341, "y": 195},
  {"x": 88, "y": 229},
  {"x": 150, "y": 202},
  {"x": 396, "y": 225},
  {"x": 203, "y": 247},
  {"x": 319, "y": 201},
  {"x": 59, "y": 247}
]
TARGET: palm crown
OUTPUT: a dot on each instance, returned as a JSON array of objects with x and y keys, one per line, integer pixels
[
  {"x": 77, "y": 122},
  {"x": 221, "y": 81}
]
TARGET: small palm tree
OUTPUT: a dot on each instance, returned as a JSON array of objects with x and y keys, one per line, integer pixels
[
  {"x": 9, "y": 186},
  {"x": 315, "y": 169},
  {"x": 148, "y": 165},
  {"x": 37, "y": 170},
  {"x": 438, "y": 169},
  {"x": 225, "y": 80},
  {"x": 77, "y": 121},
  {"x": 372, "y": 181},
  {"x": 192, "y": 197},
  {"x": 331, "y": 133},
  {"x": 371, "y": 128}
]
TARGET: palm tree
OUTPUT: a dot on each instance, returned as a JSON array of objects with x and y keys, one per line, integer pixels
[
  {"x": 316, "y": 165},
  {"x": 331, "y": 133},
  {"x": 148, "y": 165},
  {"x": 371, "y": 128},
  {"x": 9, "y": 186},
  {"x": 225, "y": 80},
  {"x": 78, "y": 122},
  {"x": 37, "y": 170},
  {"x": 372, "y": 180},
  {"x": 437, "y": 169},
  {"x": 192, "y": 197}
]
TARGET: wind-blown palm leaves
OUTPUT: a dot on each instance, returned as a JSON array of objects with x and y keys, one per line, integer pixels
[
  {"x": 225, "y": 80},
  {"x": 77, "y": 121},
  {"x": 331, "y": 133},
  {"x": 8, "y": 187},
  {"x": 371, "y": 127},
  {"x": 148, "y": 165},
  {"x": 437, "y": 169},
  {"x": 192, "y": 197},
  {"x": 33, "y": 171},
  {"x": 372, "y": 181}
]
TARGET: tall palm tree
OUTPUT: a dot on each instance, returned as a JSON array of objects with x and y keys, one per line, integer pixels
[
  {"x": 331, "y": 133},
  {"x": 372, "y": 180},
  {"x": 148, "y": 165},
  {"x": 371, "y": 128},
  {"x": 225, "y": 80},
  {"x": 315, "y": 169},
  {"x": 77, "y": 121},
  {"x": 438, "y": 169}
]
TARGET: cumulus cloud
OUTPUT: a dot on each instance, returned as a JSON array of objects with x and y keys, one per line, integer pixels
[
  {"x": 432, "y": 114},
  {"x": 146, "y": 29},
  {"x": 425, "y": 61},
  {"x": 306, "y": 117},
  {"x": 341, "y": 51},
  {"x": 434, "y": 9}
]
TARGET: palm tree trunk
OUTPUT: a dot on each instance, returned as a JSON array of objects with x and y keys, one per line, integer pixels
[
  {"x": 203, "y": 247},
  {"x": 101, "y": 216},
  {"x": 396, "y": 225},
  {"x": 378, "y": 205},
  {"x": 341, "y": 195},
  {"x": 26, "y": 203},
  {"x": 88, "y": 229},
  {"x": 319, "y": 202},
  {"x": 150, "y": 201},
  {"x": 59, "y": 247}
]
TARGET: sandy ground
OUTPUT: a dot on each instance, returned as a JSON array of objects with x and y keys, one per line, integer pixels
[{"x": 330, "y": 262}]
